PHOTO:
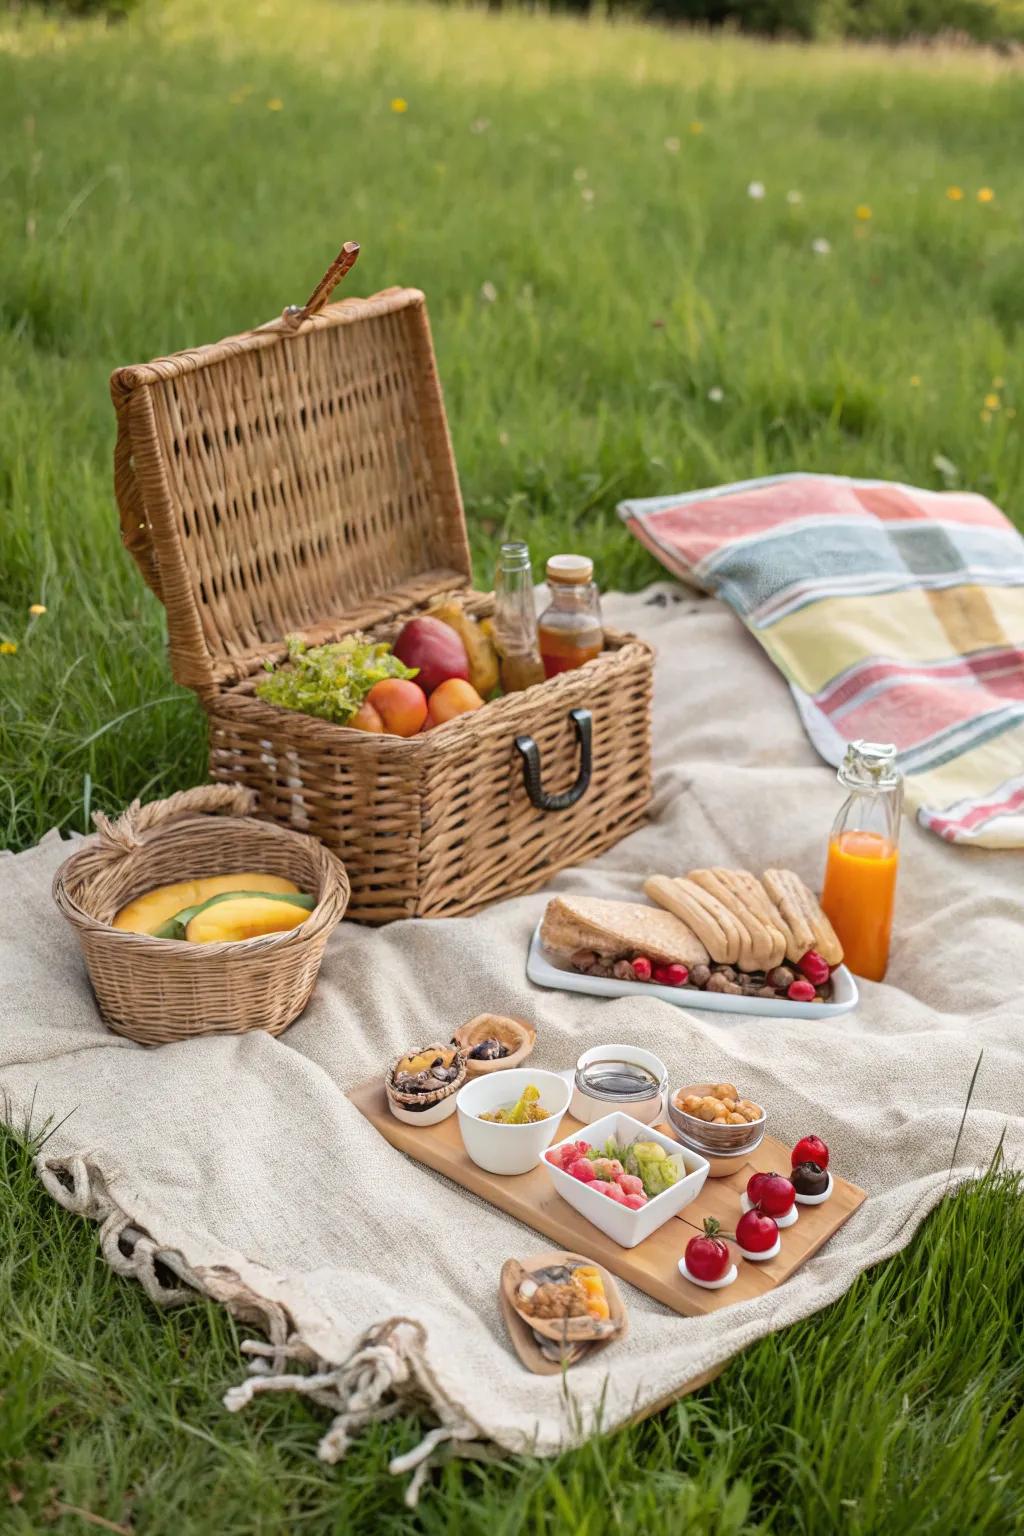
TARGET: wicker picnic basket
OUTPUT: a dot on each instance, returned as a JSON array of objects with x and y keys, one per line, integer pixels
[
  {"x": 299, "y": 479},
  {"x": 158, "y": 991}
]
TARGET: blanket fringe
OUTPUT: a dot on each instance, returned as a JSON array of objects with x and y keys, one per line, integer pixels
[{"x": 385, "y": 1374}]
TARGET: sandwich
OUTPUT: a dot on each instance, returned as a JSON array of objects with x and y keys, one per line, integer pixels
[{"x": 625, "y": 939}]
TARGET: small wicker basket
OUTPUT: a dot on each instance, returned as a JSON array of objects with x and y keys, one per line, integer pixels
[{"x": 158, "y": 991}]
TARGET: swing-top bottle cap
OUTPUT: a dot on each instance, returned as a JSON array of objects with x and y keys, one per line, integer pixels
[{"x": 870, "y": 765}]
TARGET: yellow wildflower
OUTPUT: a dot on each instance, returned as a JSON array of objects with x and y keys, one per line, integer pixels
[
  {"x": 992, "y": 402},
  {"x": 35, "y": 609},
  {"x": 399, "y": 104},
  {"x": 275, "y": 104},
  {"x": 955, "y": 194},
  {"x": 986, "y": 195},
  {"x": 863, "y": 212},
  {"x": 7, "y": 648},
  {"x": 696, "y": 127},
  {"x": 915, "y": 381}
]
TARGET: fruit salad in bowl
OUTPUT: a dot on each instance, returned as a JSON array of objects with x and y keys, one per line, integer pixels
[
  {"x": 508, "y": 1118},
  {"x": 625, "y": 1177}
]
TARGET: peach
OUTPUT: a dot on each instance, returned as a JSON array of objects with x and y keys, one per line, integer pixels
[
  {"x": 401, "y": 705},
  {"x": 455, "y": 697},
  {"x": 366, "y": 718}
]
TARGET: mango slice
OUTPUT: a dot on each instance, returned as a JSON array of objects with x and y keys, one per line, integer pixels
[
  {"x": 147, "y": 912},
  {"x": 243, "y": 917}
]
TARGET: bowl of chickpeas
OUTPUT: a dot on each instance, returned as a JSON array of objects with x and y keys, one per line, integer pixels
[{"x": 716, "y": 1119}]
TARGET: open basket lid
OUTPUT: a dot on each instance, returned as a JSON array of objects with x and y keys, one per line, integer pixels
[{"x": 298, "y": 479}]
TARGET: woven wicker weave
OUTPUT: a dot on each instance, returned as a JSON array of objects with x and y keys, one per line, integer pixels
[
  {"x": 157, "y": 991},
  {"x": 299, "y": 479}
]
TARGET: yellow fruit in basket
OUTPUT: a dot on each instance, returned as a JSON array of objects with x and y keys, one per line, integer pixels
[
  {"x": 243, "y": 917},
  {"x": 480, "y": 652},
  {"x": 147, "y": 913}
]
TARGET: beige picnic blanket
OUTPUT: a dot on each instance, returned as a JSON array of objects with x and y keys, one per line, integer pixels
[{"x": 241, "y": 1165}]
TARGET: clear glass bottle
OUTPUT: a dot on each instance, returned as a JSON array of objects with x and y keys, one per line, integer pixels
[
  {"x": 863, "y": 856},
  {"x": 515, "y": 619},
  {"x": 570, "y": 628}
]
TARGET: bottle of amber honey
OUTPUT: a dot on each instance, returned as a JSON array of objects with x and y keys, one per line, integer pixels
[{"x": 570, "y": 629}]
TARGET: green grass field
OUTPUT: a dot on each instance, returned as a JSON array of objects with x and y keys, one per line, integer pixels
[{"x": 614, "y": 314}]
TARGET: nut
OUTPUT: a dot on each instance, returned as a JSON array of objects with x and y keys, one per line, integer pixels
[
  {"x": 726, "y": 1091},
  {"x": 699, "y": 975},
  {"x": 584, "y": 960},
  {"x": 623, "y": 971},
  {"x": 781, "y": 977}
]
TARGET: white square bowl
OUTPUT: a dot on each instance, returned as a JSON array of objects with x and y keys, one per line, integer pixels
[{"x": 624, "y": 1226}]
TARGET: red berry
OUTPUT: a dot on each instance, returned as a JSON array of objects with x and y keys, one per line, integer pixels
[
  {"x": 641, "y": 968},
  {"x": 611, "y": 1190},
  {"x": 634, "y": 1202},
  {"x": 756, "y": 1232},
  {"x": 775, "y": 1195},
  {"x": 671, "y": 975},
  {"x": 754, "y": 1186},
  {"x": 707, "y": 1257},
  {"x": 814, "y": 967},
  {"x": 583, "y": 1170},
  {"x": 554, "y": 1156},
  {"x": 801, "y": 991},
  {"x": 810, "y": 1149}
]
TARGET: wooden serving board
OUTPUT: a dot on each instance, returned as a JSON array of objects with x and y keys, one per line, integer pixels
[{"x": 651, "y": 1266}]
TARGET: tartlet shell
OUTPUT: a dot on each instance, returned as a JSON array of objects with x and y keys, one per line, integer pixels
[{"x": 515, "y": 1033}]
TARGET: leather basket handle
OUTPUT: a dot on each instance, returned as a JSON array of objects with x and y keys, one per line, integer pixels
[{"x": 528, "y": 750}]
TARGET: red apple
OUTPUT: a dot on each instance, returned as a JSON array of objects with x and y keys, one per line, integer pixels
[{"x": 435, "y": 649}]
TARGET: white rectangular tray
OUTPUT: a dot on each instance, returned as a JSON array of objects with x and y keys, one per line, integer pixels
[{"x": 544, "y": 971}]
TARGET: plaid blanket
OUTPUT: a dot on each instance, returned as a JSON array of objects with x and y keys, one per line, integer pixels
[{"x": 895, "y": 614}]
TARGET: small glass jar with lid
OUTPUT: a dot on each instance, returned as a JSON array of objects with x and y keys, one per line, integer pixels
[{"x": 570, "y": 630}]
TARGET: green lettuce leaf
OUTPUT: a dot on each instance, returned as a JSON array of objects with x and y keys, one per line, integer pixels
[{"x": 330, "y": 681}]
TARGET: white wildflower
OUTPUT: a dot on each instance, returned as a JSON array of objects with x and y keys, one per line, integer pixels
[
  {"x": 756, "y": 190},
  {"x": 821, "y": 247},
  {"x": 488, "y": 292}
]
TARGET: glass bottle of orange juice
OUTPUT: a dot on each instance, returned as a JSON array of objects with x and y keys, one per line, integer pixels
[{"x": 863, "y": 856}]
